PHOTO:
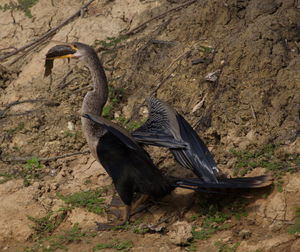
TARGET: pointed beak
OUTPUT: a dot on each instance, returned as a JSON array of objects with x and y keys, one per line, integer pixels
[{"x": 58, "y": 52}]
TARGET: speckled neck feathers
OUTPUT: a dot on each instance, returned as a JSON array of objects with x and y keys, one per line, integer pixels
[{"x": 95, "y": 100}]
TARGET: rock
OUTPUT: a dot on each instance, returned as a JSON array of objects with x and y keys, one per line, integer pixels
[
  {"x": 245, "y": 234},
  {"x": 267, "y": 245},
  {"x": 276, "y": 226},
  {"x": 213, "y": 76},
  {"x": 180, "y": 232},
  {"x": 295, "y": 246},
  {"x": 71, "y": 126}
]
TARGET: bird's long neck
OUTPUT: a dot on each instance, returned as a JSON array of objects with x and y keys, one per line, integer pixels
[{"x": 95, "y": 100}]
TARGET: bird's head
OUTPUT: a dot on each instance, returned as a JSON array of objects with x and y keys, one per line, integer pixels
[{"x": 75, "y": 50}]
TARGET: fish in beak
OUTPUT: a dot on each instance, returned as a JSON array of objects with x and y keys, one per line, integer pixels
[{"x": 58, "y": 52}]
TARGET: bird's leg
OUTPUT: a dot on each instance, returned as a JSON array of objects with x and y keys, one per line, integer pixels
[
  {"x": 111, "y": 225},
  {"x": 138, "y": 202},
  {"x": 115, "y": 205}
]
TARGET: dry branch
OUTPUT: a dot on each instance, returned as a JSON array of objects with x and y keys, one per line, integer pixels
[
  {"x": 142, "y": 26},
  {"x": 8, "y": 106},
  {"x": 47, "y": 34}
]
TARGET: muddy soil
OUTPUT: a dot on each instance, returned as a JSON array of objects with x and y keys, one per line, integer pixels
[{"x": 230, "y": 67}]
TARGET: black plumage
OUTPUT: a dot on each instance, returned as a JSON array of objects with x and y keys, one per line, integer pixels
[
  {"x": 165, "y": 125},
  {"x": 127, "y": 163}
]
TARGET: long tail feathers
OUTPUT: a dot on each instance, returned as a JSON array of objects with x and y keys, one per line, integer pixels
[{"x": 234, "y": 183}]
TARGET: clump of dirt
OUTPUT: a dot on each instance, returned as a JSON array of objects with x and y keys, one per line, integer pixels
[{"x": 232, "y": 70}]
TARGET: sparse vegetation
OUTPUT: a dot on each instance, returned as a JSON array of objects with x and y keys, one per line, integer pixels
[
  {"x": 22, "y": 5},
  {"x": 31, "y": 170},
  {"x": 140, "y": 229},
  {"x": 130, "y": 125},
  {"x": 91, "y": 200},
  {"x": 115, "y": 244},
  {"x": 246, "y": 160},
  {"x": 55, "y": 242},
  {"x": 295, "y": 228},
  {"x": 110, "y": 42},
  {"x": 224, "y": 247},
  {"x": 265, "y": 158},
  {"x": 4, "y": 177},
  {"x": 115, "y": 96},
  {"x": 68, "y": 133},
  {"x": 210, "y": 225},
  {"x": 214, "y": 214},
  {"x": 16, "y": 129},
  {"x": 114, "y": 100},
  {"x": 47, "y": 225}
]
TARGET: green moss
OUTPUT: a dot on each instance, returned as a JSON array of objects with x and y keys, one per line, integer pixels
[{"x": 91, "y": 200}]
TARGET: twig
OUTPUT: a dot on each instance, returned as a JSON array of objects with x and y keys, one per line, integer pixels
[
  {"x": 141, "y": 26},
  {"x": 140, "y": 54},
  {"x": 47, "y": 34},
  {"x": 23, "y": 159},
  {"x": 8, "y": 106},
  {"x": 198, "y": 61},
  {"x": 8, "y": 48},
  {"x": 157, "y": 86},
  {"x": 170, "y": 70},
  {"x": 157, "y": 41},
  {"x": 22, "y": 113},
  {"x": 63, "y": 83},
  {"x": 199, "y": 104},
  {"x": 253, "y": 113}
]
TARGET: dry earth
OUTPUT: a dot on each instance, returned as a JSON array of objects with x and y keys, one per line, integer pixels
[{"x": 248, "y": 116}]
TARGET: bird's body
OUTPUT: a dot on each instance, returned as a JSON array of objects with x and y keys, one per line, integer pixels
[{"x": 127, "y": 163}]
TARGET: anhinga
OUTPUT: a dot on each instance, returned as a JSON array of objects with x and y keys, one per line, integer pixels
[{"x": 127, "y": 163}]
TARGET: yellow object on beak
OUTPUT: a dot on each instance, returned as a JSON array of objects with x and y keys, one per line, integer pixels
[
  {"x": 58, "y": 52},
  {"x": 61, "y": 52}
]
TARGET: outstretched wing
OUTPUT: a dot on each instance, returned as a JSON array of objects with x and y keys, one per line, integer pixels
[
  {"x": 197, "y": 157},
  {"x": 161, "y": 129},
  {"x": 170, "y": 126}
]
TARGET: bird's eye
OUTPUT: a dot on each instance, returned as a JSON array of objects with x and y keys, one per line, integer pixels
[{"x": 75, "y": 46}]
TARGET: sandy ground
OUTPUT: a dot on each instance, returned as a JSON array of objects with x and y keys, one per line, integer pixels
[{"x": 252, "y": 47}]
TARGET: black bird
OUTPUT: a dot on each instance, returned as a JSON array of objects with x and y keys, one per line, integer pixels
[{"x": 128, "y": 164}]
